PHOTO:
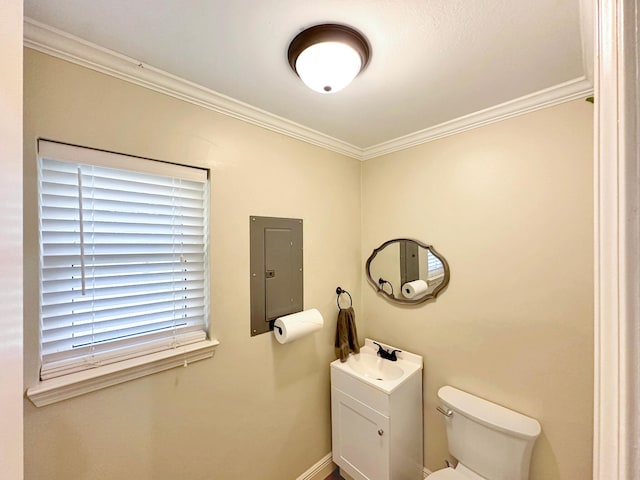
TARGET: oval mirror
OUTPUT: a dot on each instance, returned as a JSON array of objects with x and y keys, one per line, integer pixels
[{"x": 407, "y": 271}]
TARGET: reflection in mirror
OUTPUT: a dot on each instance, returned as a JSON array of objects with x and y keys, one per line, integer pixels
[{"x": 407, "y": 271}]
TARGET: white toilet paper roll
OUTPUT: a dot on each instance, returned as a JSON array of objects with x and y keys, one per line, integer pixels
[
  {"x": 291, "y": 327},
  {"x": 414, "y": 289}
]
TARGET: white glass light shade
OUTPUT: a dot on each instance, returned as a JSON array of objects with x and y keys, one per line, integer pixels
[{"x": 328, "y": 67}]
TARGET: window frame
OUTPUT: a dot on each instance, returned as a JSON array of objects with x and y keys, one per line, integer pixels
[{"x": 77, "y": 383}]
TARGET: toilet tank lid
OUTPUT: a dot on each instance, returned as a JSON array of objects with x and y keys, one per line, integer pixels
[{"x": 488, "y": 413}]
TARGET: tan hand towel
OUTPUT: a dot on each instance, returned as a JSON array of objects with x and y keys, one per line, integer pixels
[{"x": 346, "y": 334}]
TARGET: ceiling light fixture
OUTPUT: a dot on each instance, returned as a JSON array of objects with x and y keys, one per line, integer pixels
[{"x": 328, "y": 57}]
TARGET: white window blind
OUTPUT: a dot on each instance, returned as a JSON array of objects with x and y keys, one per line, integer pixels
[
  {"x": 123, "y": 257},
  {"x": 435, "y": 269}
]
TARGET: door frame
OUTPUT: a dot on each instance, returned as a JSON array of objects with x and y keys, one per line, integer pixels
[{"x": 616, "y": 449}]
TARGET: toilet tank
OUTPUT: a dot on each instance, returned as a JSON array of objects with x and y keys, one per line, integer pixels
[{"x": 493, "y": 441}]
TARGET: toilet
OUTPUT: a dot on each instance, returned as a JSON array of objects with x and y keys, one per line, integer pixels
[{"x": 490, "y": 442}]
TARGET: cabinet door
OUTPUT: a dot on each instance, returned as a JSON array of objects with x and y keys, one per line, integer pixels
[{"x": 360, "y": 438}]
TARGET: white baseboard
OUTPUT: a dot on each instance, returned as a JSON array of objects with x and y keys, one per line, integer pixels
[{"x": 321, "y": 470}]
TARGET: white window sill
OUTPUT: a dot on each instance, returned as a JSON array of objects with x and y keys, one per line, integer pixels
[{"x": 68, "y": 386}]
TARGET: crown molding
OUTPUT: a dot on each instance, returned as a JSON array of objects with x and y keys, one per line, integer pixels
[
  {"x": 57, "y": 43},
  {"x": 564, "y": 92}
]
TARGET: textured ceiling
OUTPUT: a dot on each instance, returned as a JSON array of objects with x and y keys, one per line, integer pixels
[{"x": 432, "y": 60}]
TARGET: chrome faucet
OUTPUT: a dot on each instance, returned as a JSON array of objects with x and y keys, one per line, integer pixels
[{"x": 386, "y": 354}]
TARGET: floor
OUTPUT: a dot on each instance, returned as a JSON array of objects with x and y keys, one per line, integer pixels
[{"x": 335, "y": 475}]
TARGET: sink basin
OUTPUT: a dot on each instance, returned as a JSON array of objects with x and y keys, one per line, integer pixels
[
  {"x": 376, "y": 371},
  {"x": 374, "y": 367}
]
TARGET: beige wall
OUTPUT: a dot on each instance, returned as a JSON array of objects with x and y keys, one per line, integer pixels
[
  {"x": 510, "y": 206},
  {"x": 258, "y": 409},
  {"x": 11, "y": 239}
]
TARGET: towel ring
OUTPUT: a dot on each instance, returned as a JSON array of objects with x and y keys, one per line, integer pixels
[{"x": 340, "y": 291}]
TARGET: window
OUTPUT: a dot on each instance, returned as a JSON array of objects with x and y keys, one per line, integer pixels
[
  {"x": 123, "y": 257},
  {"x": 435, "y": 269}
]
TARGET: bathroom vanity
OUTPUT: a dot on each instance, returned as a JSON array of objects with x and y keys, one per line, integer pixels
[{"x": 376, "y": 413}]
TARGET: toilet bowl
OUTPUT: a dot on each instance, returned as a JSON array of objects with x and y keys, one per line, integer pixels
[{"x": 489, "y": 441}]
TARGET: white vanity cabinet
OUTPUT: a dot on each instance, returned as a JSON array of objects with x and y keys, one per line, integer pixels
[{"x": 377, "y": 424}]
